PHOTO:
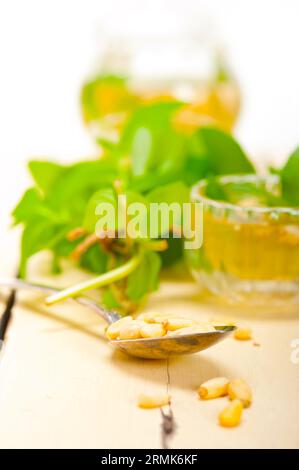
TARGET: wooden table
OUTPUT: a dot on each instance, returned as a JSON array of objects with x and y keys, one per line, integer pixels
[{"x": 61, "y": 384}]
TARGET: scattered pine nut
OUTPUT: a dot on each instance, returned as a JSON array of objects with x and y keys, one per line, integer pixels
[
  {"x": 153, "y": 401},
  {"x": 243, "y": 333},
  {"x": 213, "y": 388},
  {"x": 231, "y": 415},
  {"x": 239, "y": 389}
]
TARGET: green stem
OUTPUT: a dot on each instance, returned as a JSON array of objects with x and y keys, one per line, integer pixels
[
  {"x": 156, "y": 245},
  {"x": 107, "y": 278}
]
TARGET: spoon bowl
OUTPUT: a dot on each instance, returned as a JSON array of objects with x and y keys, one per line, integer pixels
[
  {"x": 164, "y": 347},
  {"x": 146, "y": 348}
]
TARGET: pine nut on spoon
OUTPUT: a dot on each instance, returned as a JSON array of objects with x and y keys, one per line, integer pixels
[
  {"x": 155, "y": 341},
  {"x": 113, "y": 331},
  {"x": 154, "y": 330},
  {"x": 147, "y": 348}
]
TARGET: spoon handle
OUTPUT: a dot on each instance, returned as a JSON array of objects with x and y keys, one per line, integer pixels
[
  {"x": 6, "y": 316},
  {"x": 14, "y": 283}
]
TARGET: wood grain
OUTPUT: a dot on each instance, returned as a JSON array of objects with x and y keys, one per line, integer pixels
[{"x": 61, "y": 384}]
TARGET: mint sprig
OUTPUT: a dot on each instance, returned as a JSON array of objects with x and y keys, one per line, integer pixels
[{"x": 152, "y": 162}]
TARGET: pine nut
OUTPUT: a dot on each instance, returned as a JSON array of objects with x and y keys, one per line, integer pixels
[
  {"x": 149, "y": 317},
  {"x": 222, "y": 322},
  {"x": 192, "y": 330},
  {"x": 113, "y": 330},
  {"x": 131, "y": 330},
  {"x": 243, "y": 333},
  {"x": 161, "y": 319},
  {"x": 152, "y": 330},
  {"x": 154, "y": 325},
  {"x": 231, "y": 415},
  {"x": 239, "y": 389},
  {"x": 213, "y": 388},
  {"x": 178, "y": 323},
  {"x": 153, "y": 401}
]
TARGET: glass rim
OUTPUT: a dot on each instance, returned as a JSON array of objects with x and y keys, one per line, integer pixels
[{"x": 196, "y": 195}]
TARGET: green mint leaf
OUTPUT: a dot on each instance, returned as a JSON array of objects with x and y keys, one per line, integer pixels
[
  {"x": 173, "y": 192},
  {"x": 195, "y": 169},
  {"x": 224, "y": 154},
  {"x": 103, "y": 196},
  {"x": 31, "y": 206},
  {"x": 215, "y": 190},
  {"x": 45, "y": 174},
  {"x": 174, "y": 251},
  {"x": 145, "y": 278},
  {"x": 109, "y": 300},
  {"x": 109, "y": 196},
  {"x": 27, "y": 207},
  {"x": 73, "y": 189},
  {"x": 153, "y": 179},
  {"x": 38, "y": 236},
  {"x": 151, "y": 140},
  {"x": 290, "y": 179},
  {"x": 94, "y": 260},
  {"x": 176, "y": 192}
]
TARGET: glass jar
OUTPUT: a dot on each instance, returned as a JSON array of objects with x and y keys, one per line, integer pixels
[
  {"x": 250, "y": 252},
  {"x": 148, "y": 69}
]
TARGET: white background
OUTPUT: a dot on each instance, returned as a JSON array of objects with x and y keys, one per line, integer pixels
[{"x": 48, "y": 47}]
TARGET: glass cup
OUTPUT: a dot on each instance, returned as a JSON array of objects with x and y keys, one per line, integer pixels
[
  {"x": 250, "y": 251},
  {"x": 135, "y": 71}
]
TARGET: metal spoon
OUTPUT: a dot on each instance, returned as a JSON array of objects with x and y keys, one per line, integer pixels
[{"x": 156, "y": 348}]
